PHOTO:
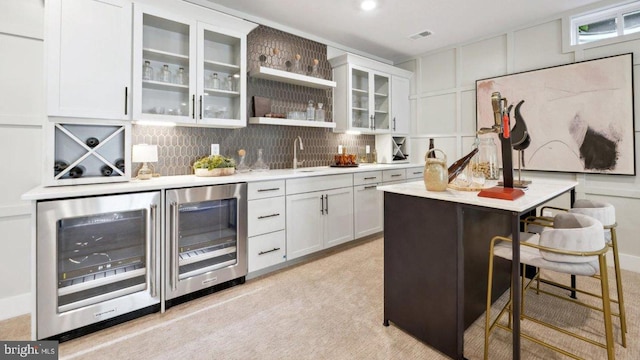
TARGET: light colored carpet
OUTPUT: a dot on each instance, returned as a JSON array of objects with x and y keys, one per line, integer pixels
[{"x": 328, "y": 308}]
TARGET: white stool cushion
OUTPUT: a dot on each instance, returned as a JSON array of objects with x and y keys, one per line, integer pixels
[
  {"x": 577, "y": 233},
  {"x": 602, "y": 211},
  {"x": 531, "y": 256}
]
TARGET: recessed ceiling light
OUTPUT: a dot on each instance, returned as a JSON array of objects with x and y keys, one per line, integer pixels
[{"x": 368, "y": 5}]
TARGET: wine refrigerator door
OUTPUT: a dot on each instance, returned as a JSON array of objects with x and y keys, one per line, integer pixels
[
  {"x": 206, "y": 237},
  {"x": 97, "y": 258}
]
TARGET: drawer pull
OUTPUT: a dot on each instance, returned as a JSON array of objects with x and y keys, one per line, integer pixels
[
  {"x": 417, "y": 173},
  {"x": 271, "y": 189},
  {"x": 370, "y": 187},
  {"x": 395, "y": 175},
  {"x": 268, "y": 251},
  {"x": 371, "y": 178},
  {"x": 267, "y": 216}
]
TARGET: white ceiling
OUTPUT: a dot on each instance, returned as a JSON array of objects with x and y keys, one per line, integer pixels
[{"x": 384, "y": 32}]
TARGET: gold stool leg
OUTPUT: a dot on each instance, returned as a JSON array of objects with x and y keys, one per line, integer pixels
[
  {"x": 616, "y": 264},
  {"x": 488, "y": 312},
  {"x": 606, "y": 306}
]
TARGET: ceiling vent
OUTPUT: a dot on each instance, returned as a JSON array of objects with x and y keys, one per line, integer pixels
[{"x": 420, "y": 35}]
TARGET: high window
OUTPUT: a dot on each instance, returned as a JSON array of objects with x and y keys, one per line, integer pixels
[{"x": 605, "y": 23}]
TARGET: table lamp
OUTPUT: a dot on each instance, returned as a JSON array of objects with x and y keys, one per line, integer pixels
[{"x": 144, "y": 153}]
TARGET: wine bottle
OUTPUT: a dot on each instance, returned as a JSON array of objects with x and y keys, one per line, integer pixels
[
  {"x": 76, "y": 171},
  {"x": 106, "y": 170},
  {"x": 456, "y": 168},
  {"x": 120, "y": 164},
  {"x": 92, "y": 142},
  {"x": 431, "y": 146},
  {"x": 59, "y": 166}
]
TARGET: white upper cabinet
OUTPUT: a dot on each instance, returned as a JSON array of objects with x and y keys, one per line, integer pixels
[
  {"x": 187, "y": 71},
  {"x": 89, "y": 58},
  {"x": 400, "y": 105},
  {"x": 364, "y": 96}
]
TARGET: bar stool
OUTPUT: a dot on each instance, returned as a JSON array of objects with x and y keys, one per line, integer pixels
[
  {"x": 574, "y": 245},
  {"x": 606, "y": 214}
]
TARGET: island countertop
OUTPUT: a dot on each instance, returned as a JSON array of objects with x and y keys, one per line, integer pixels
[{"x": 538, "y": 192}]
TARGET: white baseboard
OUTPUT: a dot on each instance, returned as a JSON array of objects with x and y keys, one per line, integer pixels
[
  {"x": 15, "y": 306},
  {"x": 627, "y": 262}
]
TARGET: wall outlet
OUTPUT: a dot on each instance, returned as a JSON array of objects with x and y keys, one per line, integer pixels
[
  {"x": 215, "y": 149},
  {"x": 367, "y": 149},
  {"x": 339, "y": 149}
]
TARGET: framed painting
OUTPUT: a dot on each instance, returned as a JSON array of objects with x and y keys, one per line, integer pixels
[{"x": 579, "y": 116}]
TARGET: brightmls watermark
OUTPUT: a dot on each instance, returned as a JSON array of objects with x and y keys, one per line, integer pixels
[{"x": 18, "y": 350}]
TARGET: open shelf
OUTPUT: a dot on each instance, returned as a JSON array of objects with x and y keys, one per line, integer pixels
[
  {"x": 291, "y": 78},
  {"x": 291, "y": 122}
]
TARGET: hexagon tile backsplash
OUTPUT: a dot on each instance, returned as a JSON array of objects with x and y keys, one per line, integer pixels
[{"x": 180, "y": 147}]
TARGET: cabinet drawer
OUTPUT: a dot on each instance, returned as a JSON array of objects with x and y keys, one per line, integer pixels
[
  {"x": 415, "y": 172},
  {"x": 265, "y": 215},
  {"x": 393, "y": 175},
  {"x": 265, "y": 189},
  {"x": 369, "y": 177},
  {"x": 266, "y": 250},
  {"x": 318, "y": 183}
]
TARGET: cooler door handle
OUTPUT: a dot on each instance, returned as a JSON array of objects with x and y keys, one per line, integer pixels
[
  {"x": 173, "y": 243},
  {"x": 153, "y": 209}
]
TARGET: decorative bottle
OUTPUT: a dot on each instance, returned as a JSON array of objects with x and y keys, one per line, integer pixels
[
  {"x": 242, "y": 165},
  {"x": 181, "y": 78},
  {"x": 106, "y": 170},
  {"x": 215, "y": 82},
  {"x": 310, "y": 111},
  {"x": 431, "y": 154},
  {"x": 260, "y": 165},
  {"x": 320, "y": 112},
  {"x": 76, "y": 171}
]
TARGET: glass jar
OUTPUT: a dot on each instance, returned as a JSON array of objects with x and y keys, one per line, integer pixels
[
  {"x": 310, "y": 111},
  {"x": 181, "y": 78},
  {"x": 147, "y": 71},
  {"x": 165, "y": 74},
  {"x": 215, "y": 82},
  {"x": 488, "y": 159}
]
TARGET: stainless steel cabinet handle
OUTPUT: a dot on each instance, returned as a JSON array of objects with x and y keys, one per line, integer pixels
[
  {"x": 372, "y": 122},
  {"x": 370, "y": 187},
  {"x": 153, "y": 257},
  {"x": 322, "y": 204},
  {"x": 417, "y": 172},
  {"x": 126, "y": 99},
  {"x": 174, "y": 245},
  {"x": 396, "y": 175},
  {"x": 267, "y": 216},
  {"x": 271, "y": 189},
  {"x": 268, "y": 251},
  {"x": 371, "y": 178},
  {"x": 394, "y": 124},
  {"x": 200, "y": 107}
]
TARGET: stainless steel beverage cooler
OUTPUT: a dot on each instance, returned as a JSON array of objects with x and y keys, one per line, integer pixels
[
  {"x": 206, "y": 237},
  {"x": 97, "y": 258}
]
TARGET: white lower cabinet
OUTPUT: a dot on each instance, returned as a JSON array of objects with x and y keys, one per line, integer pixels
[
  {"x": 415, "y": 173},
  {"x": 318, "y": 217},
  {"x": 368, "y": 203},
  {"x": 266, "y": 224}
]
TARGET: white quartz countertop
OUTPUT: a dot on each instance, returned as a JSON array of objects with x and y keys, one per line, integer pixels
[
  {"x": 181, "y": 181},
  {"x": 539, "y": 191}
]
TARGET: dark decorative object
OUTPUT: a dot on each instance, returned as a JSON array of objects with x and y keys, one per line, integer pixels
[{"x": 580, "y": 116}]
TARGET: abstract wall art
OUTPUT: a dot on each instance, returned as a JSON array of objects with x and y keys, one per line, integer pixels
[{"x": 580, "y": 116}]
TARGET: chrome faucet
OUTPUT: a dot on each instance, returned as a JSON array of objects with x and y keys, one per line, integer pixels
[{"x": 295, "y": 157}]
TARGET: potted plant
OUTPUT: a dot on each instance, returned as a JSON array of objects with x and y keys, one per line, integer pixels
[{"x": 214, "y": 165}]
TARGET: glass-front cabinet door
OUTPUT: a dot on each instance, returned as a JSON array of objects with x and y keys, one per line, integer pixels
[
  {"x": 164, "y": 75},
  {"x": 221, "y": 77},
  {"x": 369, "y": 101}
]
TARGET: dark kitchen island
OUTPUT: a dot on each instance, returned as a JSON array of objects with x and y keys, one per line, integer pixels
[{"x": 436, "y": 253}]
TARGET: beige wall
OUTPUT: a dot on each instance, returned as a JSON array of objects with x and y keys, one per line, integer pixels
[
  {"x": 22, "y": 114},
  {"x": 445, "y": 108}
]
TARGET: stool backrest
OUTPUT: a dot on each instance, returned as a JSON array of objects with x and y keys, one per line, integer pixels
[
  {"x": 572, "y": 232},
  {"x": 600, "y": 210}
]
